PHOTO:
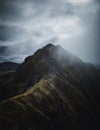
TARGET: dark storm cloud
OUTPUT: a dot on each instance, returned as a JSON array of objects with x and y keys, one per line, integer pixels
[
  {"x": 3, "y": 50},
  {"x": 26, "y": 25},
  {"x": 9, "y": 10},
  {"x": 8, "y": 32},
  {"x": 12, "y": 11},
  {"x": 9, "y": 14}
]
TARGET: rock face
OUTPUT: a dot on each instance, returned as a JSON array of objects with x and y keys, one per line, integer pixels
[{"x": 51, "y": 89}]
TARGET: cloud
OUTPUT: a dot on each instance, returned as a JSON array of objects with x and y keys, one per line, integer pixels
[{"x": 28, "y": 25}]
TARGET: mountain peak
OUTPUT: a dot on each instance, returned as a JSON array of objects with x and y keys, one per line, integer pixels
[
  {"x": 47, "y": 60},
  {"x": 49, "y": 45}
]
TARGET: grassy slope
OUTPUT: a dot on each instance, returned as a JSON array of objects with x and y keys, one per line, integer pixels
[{"x": 47, "y": 106}]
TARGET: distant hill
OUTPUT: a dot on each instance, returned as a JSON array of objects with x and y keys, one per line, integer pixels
[
  {"x": 51, "y": 90},
  {"x": 8, "y": 66}
]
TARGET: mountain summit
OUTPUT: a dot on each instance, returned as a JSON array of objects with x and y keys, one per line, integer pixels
[
  {"x": 49, "y": 59},
  {"x": 51, "y": 90}
]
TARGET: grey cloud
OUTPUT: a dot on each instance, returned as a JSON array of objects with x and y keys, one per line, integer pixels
[
  {"x": 18, "y": 51},
  {"x": 9, "y": 32},
  {"x": 9, "y": 10},
  {"x": 3, "y": 50},
  {"x": 67, "y": 9},
  {"x": 28, "y": 25}
]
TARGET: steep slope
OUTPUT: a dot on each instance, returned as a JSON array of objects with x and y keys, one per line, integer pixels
[
  {"x": 52, "y": 89},
  {"x": 48, "y": 105}
]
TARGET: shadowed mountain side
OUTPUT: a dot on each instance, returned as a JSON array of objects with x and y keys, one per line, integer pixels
[
  {"x": 48, "y": 106},
  {"x": 51, "y": 89},
  {"x": 49, "y": 59},
  {"x": 7, "y": 70},
  {"x": 8, "y": 66}
]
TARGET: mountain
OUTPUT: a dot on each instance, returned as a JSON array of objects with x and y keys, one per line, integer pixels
[
  {"x": 51, "y": 89},
  {"x": 8, "y": 66},
  {"x": 7, "y": 70},
  {"x": 50, "y": 59},
  {"x": 97, "y": 66}
]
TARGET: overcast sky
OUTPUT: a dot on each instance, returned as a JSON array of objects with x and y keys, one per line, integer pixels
[{"x": 26, "y": 25}]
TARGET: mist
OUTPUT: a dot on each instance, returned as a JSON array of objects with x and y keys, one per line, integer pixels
[{"x": 26, "y": 26}]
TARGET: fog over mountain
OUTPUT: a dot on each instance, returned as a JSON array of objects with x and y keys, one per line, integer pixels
[{"x": 26, "y": 26}]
